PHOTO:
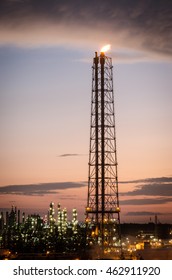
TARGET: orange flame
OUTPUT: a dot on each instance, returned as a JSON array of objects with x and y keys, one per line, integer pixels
[{"x": 106, "y": 48}]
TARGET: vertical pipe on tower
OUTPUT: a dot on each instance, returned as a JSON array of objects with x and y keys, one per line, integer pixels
[
  {"x": 102, "y": 61},
  {"x": 96, "y": 61}
]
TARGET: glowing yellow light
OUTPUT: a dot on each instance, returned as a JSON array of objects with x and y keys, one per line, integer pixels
[
  {"x": 106, "y": 48},
  {"x": 117, "y": 209}
]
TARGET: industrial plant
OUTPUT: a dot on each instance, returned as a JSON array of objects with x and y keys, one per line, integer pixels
[{"x": 101, "y": 235}]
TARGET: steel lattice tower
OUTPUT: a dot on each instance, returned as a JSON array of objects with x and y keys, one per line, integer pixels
[{"x": 102, "y": 211}]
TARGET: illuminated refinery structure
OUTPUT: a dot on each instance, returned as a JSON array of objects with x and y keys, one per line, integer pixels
[
  {"x": 74, "y": 221},
  {"x": 62, "y": 222},
  {"x": 102, "y": 211},
  {"x": 51, "y": 217}
]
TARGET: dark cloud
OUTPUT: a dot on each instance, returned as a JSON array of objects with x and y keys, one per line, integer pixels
[
  {"x": 159, "y": 186},
  {"x": 3, "y": 210},
  {"x": 146, "y": 201},
  {"x": 141, "y": 25},
  {"x": 40, "y": 189},
  {"x": 144, "y": 213},
  {"x": 149, "y": 180},
  {"x": 154, "y": 189},
  {"x": 67, "y": 197},
  {"x": 70, "y": 155}
]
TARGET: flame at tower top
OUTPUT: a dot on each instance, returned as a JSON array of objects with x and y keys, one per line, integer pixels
[{"x": 105, "y": 48}]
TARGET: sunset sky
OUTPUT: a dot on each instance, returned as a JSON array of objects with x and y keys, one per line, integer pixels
[{"x": 46, "y": 52}]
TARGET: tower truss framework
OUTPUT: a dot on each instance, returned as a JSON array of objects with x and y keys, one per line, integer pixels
[{"x": 102, "y": 211}]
